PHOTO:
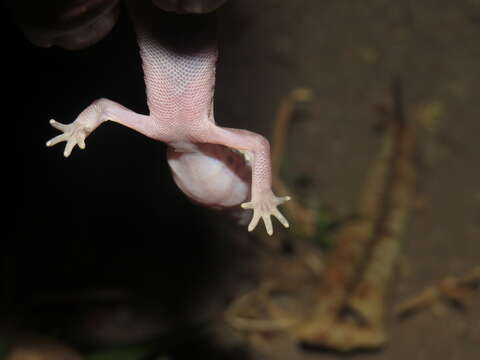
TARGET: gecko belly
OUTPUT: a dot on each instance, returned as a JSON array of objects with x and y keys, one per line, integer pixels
[{"x": 211, "y": 175}]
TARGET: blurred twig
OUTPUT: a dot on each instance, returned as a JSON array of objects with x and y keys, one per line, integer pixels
[
  {"x": 302, "y": 218},
  {"x": 350, "y": 307},
  {"x": 452, "y": 289},
  {"x": 348, "y": 304}
]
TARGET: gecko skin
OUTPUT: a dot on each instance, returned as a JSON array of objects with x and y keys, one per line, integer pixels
[{"x": 179, "y": 55}]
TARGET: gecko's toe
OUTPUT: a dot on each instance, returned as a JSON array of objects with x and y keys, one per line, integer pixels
[{"x": 264, "y": 206}]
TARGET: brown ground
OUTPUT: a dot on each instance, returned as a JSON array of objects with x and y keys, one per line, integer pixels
[{"x": 348, "y": 53}]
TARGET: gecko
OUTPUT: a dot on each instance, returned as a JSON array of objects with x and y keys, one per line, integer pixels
[{"x": 179, "y": 55}]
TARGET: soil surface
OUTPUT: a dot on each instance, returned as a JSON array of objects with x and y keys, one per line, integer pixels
[{"x": 73, "y": 229}]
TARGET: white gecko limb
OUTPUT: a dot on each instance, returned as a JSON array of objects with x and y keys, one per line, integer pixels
[
  {"x": 263, "y": 208},
  {"x": 98, "y": 112},
  {"x": 72, "y": 133},
  {"x": 264, "y": 203}
]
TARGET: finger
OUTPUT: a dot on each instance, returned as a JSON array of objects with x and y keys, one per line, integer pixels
[
  {"x": 69, "y": 147},
  {"x": 268, "y": 224},
  {"x": 248, "y": 205},
  {"x": 280, "y": 217},
  {"x": 57, "y": 139},
  {"x": 58, "y": 126},
  {"x": 81, "y": 140},
  {"x": 254, "y": 221},
  {"x": 283, "y": 199}
]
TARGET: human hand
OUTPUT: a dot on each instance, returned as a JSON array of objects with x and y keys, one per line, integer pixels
[{"x": 77, "y": 24}]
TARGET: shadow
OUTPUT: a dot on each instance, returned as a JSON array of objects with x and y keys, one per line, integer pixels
[{"x": 106, "y": 219}]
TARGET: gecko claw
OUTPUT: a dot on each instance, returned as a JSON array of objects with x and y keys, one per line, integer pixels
[
  {"x": 73, "y": 134},
  {"x": 264, "y": 206}
]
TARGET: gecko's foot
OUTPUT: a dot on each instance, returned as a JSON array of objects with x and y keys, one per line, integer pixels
[
  {"x": 264, "y": 206},
  {"x": 73, "y": 133}
]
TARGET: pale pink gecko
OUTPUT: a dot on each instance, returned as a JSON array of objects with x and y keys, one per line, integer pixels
[{"x": 179, "y": 55}]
